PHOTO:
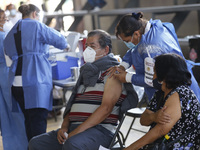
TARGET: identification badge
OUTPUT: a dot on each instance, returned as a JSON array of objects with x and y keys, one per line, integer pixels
[{"x": 149, "y": 71}]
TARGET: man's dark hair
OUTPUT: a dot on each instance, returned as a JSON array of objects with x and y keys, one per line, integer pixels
[{"x": 104, "y": 38}]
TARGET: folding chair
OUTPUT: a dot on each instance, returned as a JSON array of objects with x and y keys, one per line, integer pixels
[
  {"x": 136, "y": 113},
  {"x": 118, "y": 138},
  {"x": 117, "y": 142}
]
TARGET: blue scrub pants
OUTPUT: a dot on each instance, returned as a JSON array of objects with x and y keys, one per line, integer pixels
[
  {"x": 90, "y": 139},
  {"x": 35, "y": 119}
]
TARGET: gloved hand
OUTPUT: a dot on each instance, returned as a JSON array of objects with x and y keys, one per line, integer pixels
[{"x": 67, "y": 49}]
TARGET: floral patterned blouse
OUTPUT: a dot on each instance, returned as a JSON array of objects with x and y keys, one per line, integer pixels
[{"x": 190, "y": 119}]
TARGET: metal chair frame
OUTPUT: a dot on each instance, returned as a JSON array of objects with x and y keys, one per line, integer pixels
[{"x": 117, "y": 142}]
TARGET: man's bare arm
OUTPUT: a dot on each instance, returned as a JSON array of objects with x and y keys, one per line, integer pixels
[{"x": 112, "y": 92}]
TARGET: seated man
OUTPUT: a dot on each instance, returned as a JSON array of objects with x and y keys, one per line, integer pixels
[{"x": 93, "y": 108}]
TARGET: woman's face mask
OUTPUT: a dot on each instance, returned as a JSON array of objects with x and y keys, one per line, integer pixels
[
  {"x": 130, "y": 45},
  {"x": 7, "y": 26},
  {"x": 89, "y": 54},
  {"x": 156, "y": 84}
]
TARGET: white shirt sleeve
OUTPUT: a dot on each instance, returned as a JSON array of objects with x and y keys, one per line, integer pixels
[
  {"x": 125, "y": 64},
  {"x": 129, "y": 77}
]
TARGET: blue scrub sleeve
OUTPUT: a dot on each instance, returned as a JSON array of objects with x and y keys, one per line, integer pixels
[
  {"x": 128, "y": 57},
  {"x": 53, "y": 37},
  {"x": 138, "y": 79},
  {"x": 171, "y": 30}
]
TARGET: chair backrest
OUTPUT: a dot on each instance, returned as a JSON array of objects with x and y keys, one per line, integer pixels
[{"x": 131, "y": 100}]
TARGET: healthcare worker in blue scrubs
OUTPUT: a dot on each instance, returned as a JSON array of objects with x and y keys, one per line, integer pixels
[
  {"x": 30, "y": 75},
  {"x": 11, "y": 118},
  {"x": 145, "y": 40}
]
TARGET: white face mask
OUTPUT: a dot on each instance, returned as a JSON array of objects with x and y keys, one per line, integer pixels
[
  {"x": 7, "y": 26},
  {"x": 13, "y": 12},
  {"x": 7, "y": 13},
  {"x": 89, "y": 54}
]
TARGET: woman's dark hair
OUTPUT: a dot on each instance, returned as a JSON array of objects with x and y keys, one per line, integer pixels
[
  {"x": 104, "y": 38},
  {"x": 26, "y": 10},
  {"x": 130, "y": 23},
  {"x": 172, "y": 69}
]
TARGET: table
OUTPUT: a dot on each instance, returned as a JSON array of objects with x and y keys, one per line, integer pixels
[{"x": 66, "y": 84}]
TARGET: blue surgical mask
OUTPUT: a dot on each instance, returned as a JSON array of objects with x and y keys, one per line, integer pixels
[{"x": 130, "y": 45}]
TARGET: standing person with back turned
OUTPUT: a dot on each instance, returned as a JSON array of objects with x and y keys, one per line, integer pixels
[
  {"x": 146, "y": 39},
  {"x": 30, "y": 74}
]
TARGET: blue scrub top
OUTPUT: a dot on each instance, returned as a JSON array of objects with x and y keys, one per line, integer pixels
[
  {"x": 36, "y": 69},
  {"x": 2, "y": 57},
  {"x": 11, "y": 117},
  {"x": 160, "y": 39},
  {"x": 3, "y": 67}
]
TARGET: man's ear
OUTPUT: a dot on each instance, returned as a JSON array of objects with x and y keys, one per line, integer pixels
[{"x": 107, "y": 50}]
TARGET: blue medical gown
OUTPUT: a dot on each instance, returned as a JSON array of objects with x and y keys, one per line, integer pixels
[
  {"x": 160, "y": 39},
  {"x": 36, "y": 69},
  {"x": 11, "y": 118}
]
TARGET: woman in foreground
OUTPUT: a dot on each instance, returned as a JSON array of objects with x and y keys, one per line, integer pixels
[{"x": 174, "y": 109}]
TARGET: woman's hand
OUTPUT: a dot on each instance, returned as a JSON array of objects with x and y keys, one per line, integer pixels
[
  {"x": 120, "y": 75},
  {"x": 161, "y": 116},
  {"x": 113, "y": 70},
  {"x": 60, "y": 135},
  {"x": 67, "y": 49}
]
